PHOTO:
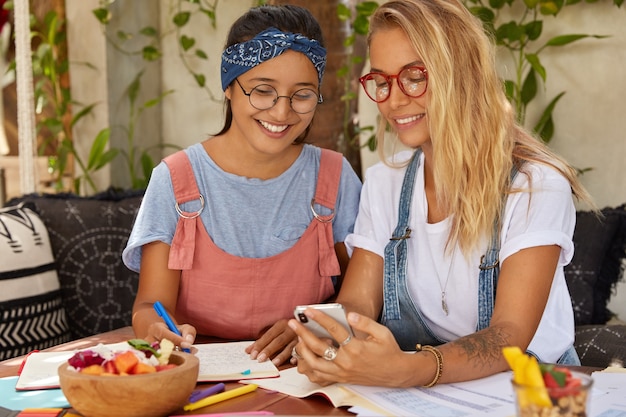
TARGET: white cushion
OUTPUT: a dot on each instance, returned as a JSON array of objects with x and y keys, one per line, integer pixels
[{"x": 32, "y": 315}]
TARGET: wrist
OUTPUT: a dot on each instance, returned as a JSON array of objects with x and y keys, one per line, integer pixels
[{"x": 436, "y": 358}]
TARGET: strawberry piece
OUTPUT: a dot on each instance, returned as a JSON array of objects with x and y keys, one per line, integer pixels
[
  {"x": 109, "y": 368},
  {"x": 550, "y": 380}
]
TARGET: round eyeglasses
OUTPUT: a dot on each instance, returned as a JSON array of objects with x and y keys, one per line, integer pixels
[
  {"x": 412, "y": 82},
  {"x": 264, "y": 96}
]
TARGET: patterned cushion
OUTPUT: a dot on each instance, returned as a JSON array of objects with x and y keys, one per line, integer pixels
[
  {"x": 601, "y": 345},
  {"x": 31, "y": 309},
  {"x": 600, "y": 246},
  {"x": 88, "y": 235}
]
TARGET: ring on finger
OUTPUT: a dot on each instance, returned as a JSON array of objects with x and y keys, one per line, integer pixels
[
  {"x": 330, "y": 353},
  {"x": 345, "y": 342},
  {"x": 294, "y": 353}
]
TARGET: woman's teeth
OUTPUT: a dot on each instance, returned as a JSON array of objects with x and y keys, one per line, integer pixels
[
  {"x": 408, "y": 119},
  {"x": 273, "y": 128}
]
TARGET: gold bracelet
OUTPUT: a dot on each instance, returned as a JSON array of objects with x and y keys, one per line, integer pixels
[{"x": 438, "y": 358}]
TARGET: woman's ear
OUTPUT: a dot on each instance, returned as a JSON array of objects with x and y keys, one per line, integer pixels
[{"x": 227, "y": 92}]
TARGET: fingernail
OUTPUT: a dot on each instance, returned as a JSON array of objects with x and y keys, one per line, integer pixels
[
  {"x": 189, "y": 338},
  {"x": 262, "y": 357},
  {"x": 254, "y": 354},
  {"x": 276, "y": 361},
  {"x": 292, "y": 324},
  {"x": 353, "y": 317}
]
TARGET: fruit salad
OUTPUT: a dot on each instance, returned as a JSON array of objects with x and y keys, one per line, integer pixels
[
  {"x": 544, "y": 389},
  {"x": 141, "y": 357}
]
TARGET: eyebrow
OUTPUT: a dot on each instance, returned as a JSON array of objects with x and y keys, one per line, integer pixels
[
  {"x": 273, "y": 80},
  {"x": 410, "y": 64}
]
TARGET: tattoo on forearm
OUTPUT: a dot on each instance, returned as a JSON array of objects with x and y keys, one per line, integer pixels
[{"x": 485, "y": 347}]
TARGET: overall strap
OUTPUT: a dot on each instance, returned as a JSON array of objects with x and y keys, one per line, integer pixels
[
  {"x": 183, "y": 179},
  {"x": 396, "y": 249},
  {"x": 185, "y": 190},
  {"x": 326, "y": 190},
  {"x": 328, "y": 178},
  {"x": 490, "y": 269}
]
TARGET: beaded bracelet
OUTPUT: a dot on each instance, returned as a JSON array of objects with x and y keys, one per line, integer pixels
[{"x": 438, "y": 358}]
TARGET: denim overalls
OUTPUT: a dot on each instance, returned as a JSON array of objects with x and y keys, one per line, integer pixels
[{"x": 400, "y": 314}]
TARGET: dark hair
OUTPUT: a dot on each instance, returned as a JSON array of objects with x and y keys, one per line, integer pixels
[{"x": 287, "y": 18}]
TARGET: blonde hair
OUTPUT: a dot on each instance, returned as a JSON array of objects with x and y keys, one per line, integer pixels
[{"x": 473, "y": 131}]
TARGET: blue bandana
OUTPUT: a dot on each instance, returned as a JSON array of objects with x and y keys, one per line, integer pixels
[{"x": 242, "y": 57}]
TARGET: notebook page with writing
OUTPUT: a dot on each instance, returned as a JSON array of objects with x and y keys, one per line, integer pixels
[{"x": 230, "y": 362}]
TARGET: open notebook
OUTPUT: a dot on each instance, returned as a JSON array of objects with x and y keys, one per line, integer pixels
[
  {"x": 230, "y": 362},
  {"x": 218, "y": 362}
]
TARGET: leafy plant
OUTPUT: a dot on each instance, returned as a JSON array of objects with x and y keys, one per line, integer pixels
[
  {"x": 521, "y": 37},
  {"x": 53, "y": 102},
  {"x": 139, "y": 161},
  {"x": 358, "y": 26},
  {"x": 187, "y": 45}
]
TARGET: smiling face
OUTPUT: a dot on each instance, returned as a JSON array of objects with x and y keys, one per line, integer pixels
[
  {"x": 271, "y": 131},
  {"x": 390, "y": 52}
]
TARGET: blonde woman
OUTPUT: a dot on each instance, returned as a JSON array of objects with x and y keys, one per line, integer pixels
[{"x": 459, "y": 244}]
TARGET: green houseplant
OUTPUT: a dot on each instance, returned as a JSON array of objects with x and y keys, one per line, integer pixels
[
  {"x": 57, "y": 113},
  {"x": 358, "y": 20},
  {"x": 517, "y": 26},
  {"x": 53, "y": 103}
]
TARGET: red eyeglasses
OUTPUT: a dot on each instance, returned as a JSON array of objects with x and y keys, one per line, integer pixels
[{"x": 412, "y": 81}]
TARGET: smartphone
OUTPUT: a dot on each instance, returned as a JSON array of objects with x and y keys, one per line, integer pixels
[{"x": 334, "y": 310}]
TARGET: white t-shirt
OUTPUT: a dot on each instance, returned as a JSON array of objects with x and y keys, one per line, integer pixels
[{"x": 548, "y": 218}]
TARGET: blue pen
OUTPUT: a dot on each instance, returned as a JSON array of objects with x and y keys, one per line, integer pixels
[
  {"x": 200, "y": 394},
  {"x": 168, "y": 320}
]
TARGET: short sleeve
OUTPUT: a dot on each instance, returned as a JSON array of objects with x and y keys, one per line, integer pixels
[
  {"x": 156, "y": 219},
  {"x": 541, "y": 213},
  {"x": 378, "y": 208}
]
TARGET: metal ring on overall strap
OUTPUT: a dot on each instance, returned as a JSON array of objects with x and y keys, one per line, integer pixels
[
  {"x": 323, "y": 219},
  {"x": 193, "y": 215},
  {"x": 485, "y": 267}
]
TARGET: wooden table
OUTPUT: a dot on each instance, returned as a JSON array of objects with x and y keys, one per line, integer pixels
[{"x": 279, "y": 404}]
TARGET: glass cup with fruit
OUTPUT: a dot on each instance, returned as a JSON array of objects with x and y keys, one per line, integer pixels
[
  {"x": 565, "y": 394},
  {"x": 543, "y": 390}
]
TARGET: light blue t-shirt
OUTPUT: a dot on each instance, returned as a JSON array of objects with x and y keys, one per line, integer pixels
[{"x": 245, "y": 217}]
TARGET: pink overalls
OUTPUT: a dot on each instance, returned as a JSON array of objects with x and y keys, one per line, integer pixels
[{"x": 232, "y": 297}]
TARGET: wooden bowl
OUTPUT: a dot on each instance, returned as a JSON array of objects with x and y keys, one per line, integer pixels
[{"x": 148, "y": 395}]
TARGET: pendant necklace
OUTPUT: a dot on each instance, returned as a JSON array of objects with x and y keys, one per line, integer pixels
[{"x": 444, "y": 304}]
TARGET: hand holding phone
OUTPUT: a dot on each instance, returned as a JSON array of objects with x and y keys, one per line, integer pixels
[{"x": 334, "y": 310}]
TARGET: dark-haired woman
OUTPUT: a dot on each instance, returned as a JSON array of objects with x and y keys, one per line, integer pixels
[{"x": 234, "y": 232}]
